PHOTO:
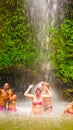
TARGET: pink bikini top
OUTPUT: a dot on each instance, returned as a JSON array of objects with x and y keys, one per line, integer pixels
[
  {"x": 68, "y": 111},
  {"x": 37, "y": 102}
]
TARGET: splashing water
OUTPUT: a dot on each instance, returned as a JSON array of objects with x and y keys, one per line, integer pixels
[{"x": 21, "y": 120}]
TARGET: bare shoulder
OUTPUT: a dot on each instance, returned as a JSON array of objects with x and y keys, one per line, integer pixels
[
  {"x": 15, "y": 96},
  {"x": 67, "y": 107}
]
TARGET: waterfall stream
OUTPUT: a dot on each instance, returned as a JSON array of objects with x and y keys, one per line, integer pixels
[
  {"x": 43, "y": 13},
  {"x": 40, "y": 10}
]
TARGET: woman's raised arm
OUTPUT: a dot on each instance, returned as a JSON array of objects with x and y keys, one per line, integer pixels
[{"x": 27, "y": 92}]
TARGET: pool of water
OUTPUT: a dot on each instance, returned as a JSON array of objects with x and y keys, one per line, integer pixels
[{"x": 20, "y": 120}]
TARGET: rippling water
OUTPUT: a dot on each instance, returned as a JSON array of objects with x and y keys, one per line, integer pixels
[{"x": 20, "y": 120}]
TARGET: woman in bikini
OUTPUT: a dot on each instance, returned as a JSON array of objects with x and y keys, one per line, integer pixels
[
  {"x": 69, "y": 109},
  {"x": 12, "y": 100},
  {"x": 37, "y": 100},
  {"x": 47, "y": 104}
]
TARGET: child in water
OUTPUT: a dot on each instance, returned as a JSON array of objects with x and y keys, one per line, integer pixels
[{"x": 47, "y": 104}]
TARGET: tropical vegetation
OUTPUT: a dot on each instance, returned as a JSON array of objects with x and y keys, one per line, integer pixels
[
  {"x": 17, "y": 35},
  {"x": 61, "y": 43}
]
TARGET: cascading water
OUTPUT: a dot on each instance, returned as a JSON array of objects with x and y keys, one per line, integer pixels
[
  {"x": 40, "y": 10},
  {"x": 42, "y": 13}
]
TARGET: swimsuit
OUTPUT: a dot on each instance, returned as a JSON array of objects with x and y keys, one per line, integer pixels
[
  {"x": 70, "y": 112},
  {"x": 2, "y": 108},
  {"x": 33, "y": 112},
  {"x": 12, "y": 109},
  {"x": 37, "y": 103},
  {"x": 47, "y": 108}
]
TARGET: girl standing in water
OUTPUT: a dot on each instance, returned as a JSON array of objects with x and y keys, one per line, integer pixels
[
  {"x": 37, "y": 100},
  {"x": 47, "y": 104},
  {"x": 12, "y": 97}
]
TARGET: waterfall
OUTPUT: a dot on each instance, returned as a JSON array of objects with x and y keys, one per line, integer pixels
[
  {"x": 42, "y": 9},
  {"x": 42, "y": 13}
]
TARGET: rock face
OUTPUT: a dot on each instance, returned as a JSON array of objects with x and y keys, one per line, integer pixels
[
  {"x": 19, "y": 79},
  {"x": 64, "y": 90}
]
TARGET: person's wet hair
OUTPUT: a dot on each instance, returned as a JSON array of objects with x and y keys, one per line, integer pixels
[
  {"x": 13, "y": 90},
  {"x": 38, "y": 89}
]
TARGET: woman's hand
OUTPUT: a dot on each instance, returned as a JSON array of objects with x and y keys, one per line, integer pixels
[
  {"x": 31, "y": 86},
  {"x": 27, "y": 92}
]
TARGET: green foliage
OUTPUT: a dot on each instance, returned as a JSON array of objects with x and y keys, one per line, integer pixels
[
  {"x": 17, "y": 39},
  {"x": 61, "y": 42}
]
